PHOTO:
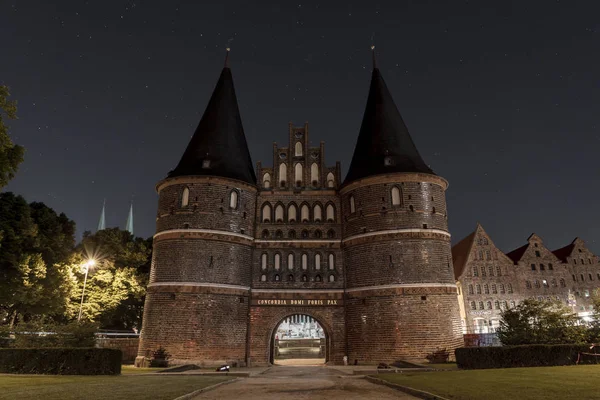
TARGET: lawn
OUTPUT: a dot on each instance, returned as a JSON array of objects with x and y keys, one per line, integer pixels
[
  {"x": 565, "y": 383},
  {"x": 46, "y": 387},
  {"x": 131, "y": 370}
]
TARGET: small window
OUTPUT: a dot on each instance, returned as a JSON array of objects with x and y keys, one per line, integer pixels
[
  {"x": 582, "y": 278},
  {"x": 290, "y": 278},
  {"x": 330, "y": 213},
  {"x": 478, "y": 287},
  {"x": 185, "y": 197},
  {"x": 470, "y": 289},
  {"x": 314, "y": 174},
  {"x": 278, "y": 234},
  {"x": 305, "y": 234},
  {"x": 282, "y": 174},
  {"x": 563, "y": 283},
  {"x": 550, "y": 266},
  {"x": 486, "y": 289},
  {"x": 331, "y": 278},
  {"x": 475, "y": 271},
  {"x": 317, "y": 261},
  {"x": 533, "y": 267},
  {"x": 304, "y": 261},
  {"x": 545, "y": 283},
  {"x": 292, "y": 234},
  {"x": 488, "y": 256},
  {"x": 266, "y": 213},
  {"x": 305, "y": 213},
  {"x": 277, "y": 278},
  {"x": 352, "y": 205},
  {"x": 510, "y": 289},
  {"x": 494, "y": 289},
  {"x": 591, "y": 278},
  {"x": 501, "y": 288},
  {"x": 331, "y": 234},
  {"x": 528, "y": 284},
  {"x": 512, "y": 304},
  {"x": 277, "y": 261},
  {"x": 574, "y": 279},
  {"x": 265, "y": 234},
  {"x": 497, "y": 305},
  {"x": 279, "y": 213},
  {"x": 491, "y": 270},
  {"x": 554, "y": 284},
  {"x": 498, "y": 271},
  {"x": 292, "y": 213},
  {"x": 267, "y": 180},
  {"x": 318, "y": 234},
  {"x": 318, "y": 278},
  {"x": 542, "y": 267},
  {"x": 233, "y": 200},
  {"x": 411, "y": 208},
  {"x": 480, "y": 254},
  {"x": 205, "y": 164},
  {"x": 473, "y": 306},
  {"x": 263, "y": 278},
  {"x": 537, "y": 284},
  {"x": 331, "y": 260},
  {"x": 290, "y": 261},
  {"x": 481, "y": 305},
  {"x": 330, "y": 180},
  {"x": 298, "y": 149},
  {"x": 298, "y": 174},
  {"x": 263, "y": 261},
  {"x": 304, "y": 278},
  {"x": 396, "y": 198},
  {"x": 537, "y": 253},
  {"x": 317, "y": 213},
  {"x": 483, "y": 273}
]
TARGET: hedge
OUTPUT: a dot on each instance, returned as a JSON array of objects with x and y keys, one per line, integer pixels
[
  {"x": 66, "y": 361},
  {"x": 534, "y": 355}
]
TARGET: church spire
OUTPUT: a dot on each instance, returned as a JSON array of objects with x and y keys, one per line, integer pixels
[
  {"x": 218, "y": 147},
  {"x": 384, "y": 144},
  {"x": 129, "y": 224},
  {"x": 102, "y": 222}
]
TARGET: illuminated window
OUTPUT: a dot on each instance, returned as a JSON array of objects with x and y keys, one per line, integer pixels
[
  {"x": 185, "y": 197},
  {"x": 396, "y": 198}
]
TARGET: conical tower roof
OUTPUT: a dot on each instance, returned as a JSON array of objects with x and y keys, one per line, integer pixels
[
  {"x": 218, "y": 147},
  {"x": 384, "y": 144}
]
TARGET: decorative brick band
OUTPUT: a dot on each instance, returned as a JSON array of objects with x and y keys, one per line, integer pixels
[
  {"x": 192, "y": 179},
  {"x": 197, "y": 287},
  {"x": 395, "y": 178},
  {"x": 410, "y": 233},
  {"x": 287, "y": 291},
  {"x": 210, "y": 234},
  {"x": 404, "y": 289}
]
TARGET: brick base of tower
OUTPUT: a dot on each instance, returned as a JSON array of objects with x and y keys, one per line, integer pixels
[
  {"x": 384, "y": 326},
  {"x": 206, "y": 329}
]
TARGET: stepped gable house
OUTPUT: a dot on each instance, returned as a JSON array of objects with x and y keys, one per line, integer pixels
[{"x": 235, "y": 253}]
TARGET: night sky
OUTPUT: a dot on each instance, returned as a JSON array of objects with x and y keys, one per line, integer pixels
[{"x": 500, "y": 100}]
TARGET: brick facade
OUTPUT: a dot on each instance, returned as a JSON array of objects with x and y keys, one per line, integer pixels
[
  {"x": 490, "y": 281},
  {"x": 377, "y": 276}
]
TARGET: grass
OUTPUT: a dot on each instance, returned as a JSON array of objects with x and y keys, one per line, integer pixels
[
  {"x": 131, "y": 370},
  {"x": 54, "y": 387},
  {"x": 565, "y": 383},
  {"x": 441, "y": 365}
]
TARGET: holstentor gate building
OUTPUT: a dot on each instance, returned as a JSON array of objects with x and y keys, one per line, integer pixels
[{"x": 237, "y": 251}]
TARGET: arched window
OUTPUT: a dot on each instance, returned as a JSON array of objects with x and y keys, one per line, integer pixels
[
  {"x": 331, "y": 261},
  {"x": 278, "y": 234},
  {"x": 304, "y": 261},
  {"x": 266, "y": 213},
  {"x": 291, "y": 261},
  {"x": 483, "y": 271},
  {"x": 265, "y": 234},
  {"x": 330, "y": 180},
  {"x": 317, "y": 213},
  {"x": 471, "y": 289},
  {"x": 478, "y": 287},
  {"x": 473, "y": 306},
  {"x": 263, "y": 261},
  {"x": 494, "y": 289},
  {"x": 331, "y": 278},
  {"x": 481, "y": 305},
  {"x": 318, "y": 234},
  {"x": 298, "y": 149},
  {"x": 233, "y": 200},
  {"x": 352, "y": 205},
  {"x": 267, "y": 180},
  {"x": 292, "y": 234},
  {"x": 502, "y": 288},
  {"x": 330, "y": 213},
  {"x": 489, "y": 305},
  {"x": 497, "y": 305},
  {"x": 282, "y": 174},
  {"x": 486, "y": 289},
  {"x": 185, "y": 197},
  {"x": 491, "y": 270},
  {"x": 277, "y": 278},
  {"x": 277, "y": 262},
  {"x": 331, "y": 234},
  {"x": 304, "y": 234},
  {"x": 304, "y": 278},
  {"x": 290, "y": 278},
  {"x": 314, "y": 174},
  {"x": 298, "y": 174},
  {"x": 318, "y": 278},
  {"x": 475, "y": 271},
  {"x": 498, "y": 270},
  {"x": 317, "y": 261},
  {"x": 263, "y": 278},
  {"x": 509, "y": 288},
  {"x": 279, "y": 213},
  {"x": 292, "y": 211},
  {"x": 304, "y": 213},
  {"x": 396, "y": 198}
]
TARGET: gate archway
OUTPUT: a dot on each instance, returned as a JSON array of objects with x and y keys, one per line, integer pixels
[{"x": 299, "y": 339}]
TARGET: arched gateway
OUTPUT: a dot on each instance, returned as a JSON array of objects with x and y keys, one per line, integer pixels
[
  {"x": 368, "y": 257},
  {"x": 298, "y": 339}
]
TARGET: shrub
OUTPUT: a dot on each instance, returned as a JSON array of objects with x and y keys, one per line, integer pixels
[
  {"x": 79, "y": 361},
  {"x": 160, "y": 358},
  {"x": 535, "y": 355},
  {"x": 438, "y": 356}
]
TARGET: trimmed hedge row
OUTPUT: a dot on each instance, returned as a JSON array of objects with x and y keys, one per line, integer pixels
[
  {"x": 67, "y": 361},
  {"x": 534, "y": 355}
]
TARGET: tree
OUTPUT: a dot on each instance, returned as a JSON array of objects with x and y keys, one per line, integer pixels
[
  {"x": 540, "y": 322},
  {"x": 11, "y": 155},
  {"x": 36, "y": 258},
  {"x": 116, "y": 286}
]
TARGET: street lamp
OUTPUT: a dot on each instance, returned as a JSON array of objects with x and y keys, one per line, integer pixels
[{"x": 88, "y": 265}]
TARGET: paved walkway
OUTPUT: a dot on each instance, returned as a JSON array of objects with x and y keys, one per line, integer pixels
[{"x": 303, "y": 382}]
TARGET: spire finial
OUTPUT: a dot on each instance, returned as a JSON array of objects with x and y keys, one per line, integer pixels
[
  {"x": 374, "y": 58},
  {"x": 227, "y": 57}
]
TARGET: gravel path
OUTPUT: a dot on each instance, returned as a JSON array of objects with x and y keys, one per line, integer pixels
[{"x": 303, "y": 382}]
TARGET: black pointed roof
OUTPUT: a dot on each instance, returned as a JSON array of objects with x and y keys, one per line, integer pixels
[
  {"x": 218, "y": 147},
  {"x": 384, "y": 144}
]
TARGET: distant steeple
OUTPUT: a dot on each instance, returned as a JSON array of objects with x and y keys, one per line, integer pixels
[
  {"x": 384, "y": 144},
  {"x": 218, "y": 147},
  {"x": 129, "y": 224},
  {"x": 102, "y": 222}
]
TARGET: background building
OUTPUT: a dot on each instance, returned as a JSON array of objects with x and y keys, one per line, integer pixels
[{"x": 490, "y": 281}]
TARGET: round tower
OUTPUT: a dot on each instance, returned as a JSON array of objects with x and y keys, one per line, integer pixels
[
  {"x": 401, "y": 296},
  {"x": 197, "y": 302}
]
